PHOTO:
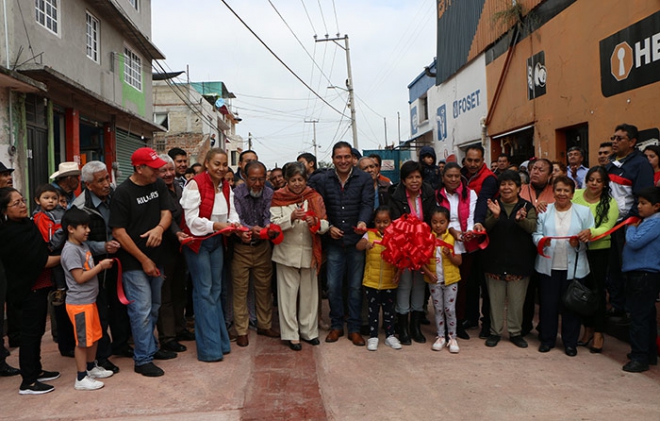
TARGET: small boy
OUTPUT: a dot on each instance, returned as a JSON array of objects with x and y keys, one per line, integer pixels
[{"x": 83, "y": 285}]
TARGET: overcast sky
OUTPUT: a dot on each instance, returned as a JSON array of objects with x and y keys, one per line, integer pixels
[{"x": 390, "y": 43}]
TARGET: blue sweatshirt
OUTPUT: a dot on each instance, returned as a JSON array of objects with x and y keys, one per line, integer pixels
[{"x": 642, "y": 249}]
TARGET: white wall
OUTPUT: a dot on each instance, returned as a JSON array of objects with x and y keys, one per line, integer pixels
[{"x": 456, "y": 107}]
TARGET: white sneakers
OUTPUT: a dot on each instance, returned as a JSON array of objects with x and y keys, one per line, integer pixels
[
  {"x": 453, "y": 346},
  {"x": 372, "y": 344},
  {"x": 393, "y": 342},
  {"x": 88, "y": 383},
  {"x": 439, "y": 343},
  {"x": 99, "y": 372}
]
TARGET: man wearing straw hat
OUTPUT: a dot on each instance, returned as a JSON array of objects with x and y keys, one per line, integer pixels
[{"x": 67, "y": 180}]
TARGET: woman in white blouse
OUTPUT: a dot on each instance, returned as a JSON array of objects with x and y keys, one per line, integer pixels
[
  {"x": 208, "y": 204},
  {"x": 300, "y": 212}
]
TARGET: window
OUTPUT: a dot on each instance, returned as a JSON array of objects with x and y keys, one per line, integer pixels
[
  {"x": 424, "y": 109},
  {"x": 46, "y": 13},
  {"x": 92, "y": 37},
  {"x": 134, "y": 3},
  {"x": 132, "y": 69},
  {"x": 234, "y": 158},
  {"x": 163, "y": 119}
]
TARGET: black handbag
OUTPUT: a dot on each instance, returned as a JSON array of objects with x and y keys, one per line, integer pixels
[{"x": 579, "y": 298}]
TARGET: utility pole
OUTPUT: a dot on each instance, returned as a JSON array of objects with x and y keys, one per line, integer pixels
[
  {"x": 349, "y": 82},
  {"x": 385, "y": 122},
  {"x": 313, "y": 121},
  {"x": 249, "y": 141},
  {"x": 398, "y": 116}
]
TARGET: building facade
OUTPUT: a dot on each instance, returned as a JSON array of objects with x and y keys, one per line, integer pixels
[
  {"x": 93, "y": 60},
  {"x": 197, "y": 116},
  {"x": 536, "y": 77}
]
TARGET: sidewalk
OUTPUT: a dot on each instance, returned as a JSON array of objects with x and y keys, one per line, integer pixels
[{"x": 268, "y": 381}]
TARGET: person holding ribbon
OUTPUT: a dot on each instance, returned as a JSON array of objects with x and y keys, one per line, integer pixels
[
  {"x": 413, "y": 197},
  {"x": 509, "y": 257},
  {"x": 24, "y": 254},
  {"x": 461, "y": 201},
  {"x": 557, "y": 232},
  {"x": 300, "y": 212},
  {"x": 598, "y": 197},
  {"x": 208, "y": 205}
]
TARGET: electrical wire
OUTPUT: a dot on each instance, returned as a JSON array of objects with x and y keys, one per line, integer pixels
[
  {"x": 278, "y": 58},
  {"x": 323, "y": 18}
]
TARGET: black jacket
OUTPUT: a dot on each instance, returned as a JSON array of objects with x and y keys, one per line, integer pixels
[{"x": 399, "y": 201}]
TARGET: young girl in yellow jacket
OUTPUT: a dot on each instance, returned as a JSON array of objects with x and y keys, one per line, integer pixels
[
  {"x": 380, "y": 282},
  {"x": 442, "y": 274}
]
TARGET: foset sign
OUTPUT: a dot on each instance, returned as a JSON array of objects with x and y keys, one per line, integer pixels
[{"x": 631, "y": 57}]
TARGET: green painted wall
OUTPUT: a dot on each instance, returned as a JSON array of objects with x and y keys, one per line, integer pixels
[{"x": 129, "y": 93}]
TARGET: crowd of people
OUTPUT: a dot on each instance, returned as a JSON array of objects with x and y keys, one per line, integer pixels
[{"x": 174, "y": 243}]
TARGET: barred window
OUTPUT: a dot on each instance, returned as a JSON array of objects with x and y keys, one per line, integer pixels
[
  {"x": 92, "y": 37},
  {"x": 46, "y": 14},
  {"x": 132, "y": 69}
]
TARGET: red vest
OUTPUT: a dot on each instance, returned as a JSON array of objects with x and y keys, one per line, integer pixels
[
  {"x": 476, "y": 181},
  {"x": 207, "y": 195}
]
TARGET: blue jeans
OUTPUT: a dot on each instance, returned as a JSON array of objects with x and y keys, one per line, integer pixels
[
  {"x": 349, "y": 262},
  {"x": 206, "y": 272},
  {"x": 144, "y": 292},
  {"x": 641, "y": 291}
]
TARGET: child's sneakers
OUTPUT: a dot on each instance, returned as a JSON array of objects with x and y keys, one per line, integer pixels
[
  {"x": 88, "y": 383},
  {"x": 372, "y": 344},
  {"x": 453, "y": 346},
  {"x": 439, "y": 343},
  {"x": 99, "y": 372},
  {"x": 393, "y": 342}
]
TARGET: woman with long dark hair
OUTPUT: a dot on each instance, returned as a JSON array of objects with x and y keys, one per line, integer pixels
[
  {"x": 24, "y": 254},
  {"x": 597, "y": 196}
]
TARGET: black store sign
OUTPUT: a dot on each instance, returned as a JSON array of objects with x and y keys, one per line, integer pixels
[{"x": 631, "y": 57}]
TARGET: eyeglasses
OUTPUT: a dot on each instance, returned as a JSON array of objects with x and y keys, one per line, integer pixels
[
  {"x": 616, "y": 138},
  {"x": 19, "y": 202}
]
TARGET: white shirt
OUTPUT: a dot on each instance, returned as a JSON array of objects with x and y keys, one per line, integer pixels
[
  {"x": 453, "y": 216},
  {"x": 190, "y": 201},
  {"x": 560, "y": 256}
]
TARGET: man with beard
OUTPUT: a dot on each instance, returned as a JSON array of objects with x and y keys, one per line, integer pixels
[{"x": 252, "y": 255}]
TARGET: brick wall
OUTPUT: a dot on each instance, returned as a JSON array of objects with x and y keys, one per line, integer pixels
[{"x": 196, "y": 144}]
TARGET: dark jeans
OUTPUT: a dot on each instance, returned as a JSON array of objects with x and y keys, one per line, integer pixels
[
  {"x": 615, "y": 281},
  {"x": 641, "y": 291},
  {"x": 476, "y": 290},
  {"x": 551, "y": 291},
  {"x": 171, "y": 319},
  {"x": 66, "y": 342},
  {"x": 598, "y": 260},
  {"x": 34, "y": 310},
  {"x": 350, "y": 262},
  {"x": 377, "y": 298}
]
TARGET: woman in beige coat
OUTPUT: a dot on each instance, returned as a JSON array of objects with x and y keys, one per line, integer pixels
[{"x": 300, "y": 212}]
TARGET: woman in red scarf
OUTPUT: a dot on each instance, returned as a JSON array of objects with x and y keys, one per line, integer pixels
[{"x": 300, "y": 212}]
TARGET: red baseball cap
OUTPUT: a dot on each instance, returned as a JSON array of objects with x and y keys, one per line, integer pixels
[{"x": 148, "y": 157}]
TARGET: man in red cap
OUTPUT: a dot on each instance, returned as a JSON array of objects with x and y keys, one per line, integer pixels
[{"x": 140, "y": 211}]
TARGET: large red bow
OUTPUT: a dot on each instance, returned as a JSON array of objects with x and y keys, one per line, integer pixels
[{"x": 408, "y": 243}]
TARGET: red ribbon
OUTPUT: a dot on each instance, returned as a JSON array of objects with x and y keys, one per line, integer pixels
[
  {"x": 475, "y": 242},
  {"x": 317, "y": 226},
  {"x": 188, "y": 241},
  {"x": 408, "y": 242},
  {"x": 545, "y": 240},
  {"x": 440, "y": 243},
  {"x": 120, "y": 285},
  {"x": 272, "y": 232}
]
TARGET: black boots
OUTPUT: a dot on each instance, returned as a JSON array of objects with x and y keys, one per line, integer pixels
[
  {"x": 415, "y": 331},
  {"x": 404, "y": 335}
]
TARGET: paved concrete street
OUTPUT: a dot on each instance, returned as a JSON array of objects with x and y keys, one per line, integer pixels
[{"x": 267, "y": 381}]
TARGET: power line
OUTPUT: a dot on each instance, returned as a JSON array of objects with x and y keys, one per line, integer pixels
[
  {"x": 279, "y": 59},
  {"x": 323, "y": 18},
  {"x": 308, "y": 18},
  {"x": 334, "y": 8}
]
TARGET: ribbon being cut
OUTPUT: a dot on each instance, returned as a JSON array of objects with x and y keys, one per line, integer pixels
[{"x": 545, "y": 241}]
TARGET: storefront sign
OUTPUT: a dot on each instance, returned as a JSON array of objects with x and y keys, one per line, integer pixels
[
  {"x": 536, "y": 75},
  {"x": 631, "y": 57}
]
